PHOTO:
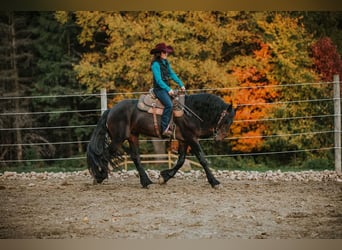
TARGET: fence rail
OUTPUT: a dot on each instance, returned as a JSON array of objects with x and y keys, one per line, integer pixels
[
  {"x": 145, "y": 92},
  {"x": 168, "y": 159},
  {"x": 103, "y": 96}
]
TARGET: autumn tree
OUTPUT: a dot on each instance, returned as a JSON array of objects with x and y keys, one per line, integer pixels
[
  {"x": 120, "y": 42},
  {"x": 238, "y": 55},
  {"x": 213, "y": 50},
  {"x": 257, "y": 90},
  {"x": 293, "y": 68},
  {"x": 326, "y": 58}
]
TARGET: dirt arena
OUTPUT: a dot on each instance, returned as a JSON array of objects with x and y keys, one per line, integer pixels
[{"x": 258, "y": 206}]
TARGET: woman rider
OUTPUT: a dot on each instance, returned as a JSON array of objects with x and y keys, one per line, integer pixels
[{"x": 162, "y": 73}]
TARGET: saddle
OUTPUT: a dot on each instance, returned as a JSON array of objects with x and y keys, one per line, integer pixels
[{"x": 151, "y": 104}]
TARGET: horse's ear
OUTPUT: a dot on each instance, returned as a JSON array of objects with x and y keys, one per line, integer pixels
[{"x": 230, "y": 108}]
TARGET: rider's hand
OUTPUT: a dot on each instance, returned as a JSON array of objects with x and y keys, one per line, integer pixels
[
  {"x": 183, "y": 88},
  {"x": 171, "y": 93}
]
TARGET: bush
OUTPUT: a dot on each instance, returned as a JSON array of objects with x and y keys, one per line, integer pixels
[{"x": 318, "y": 164}]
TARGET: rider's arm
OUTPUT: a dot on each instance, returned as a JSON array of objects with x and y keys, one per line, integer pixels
[{"x": 175, "y": 77}]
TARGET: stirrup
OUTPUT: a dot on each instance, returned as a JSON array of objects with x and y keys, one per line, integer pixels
[{"x": 167, "y": 133}]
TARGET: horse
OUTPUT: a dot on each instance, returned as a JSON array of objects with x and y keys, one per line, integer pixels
[{"x": 209, "y": 116}]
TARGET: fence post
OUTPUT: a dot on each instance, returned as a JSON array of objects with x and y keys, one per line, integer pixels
[
  {"x": 169, "y": 160},
  {"x": 103, "y": 100},
  {"x": 337, "y": 123},
  {"x": 125, "y": 162}
]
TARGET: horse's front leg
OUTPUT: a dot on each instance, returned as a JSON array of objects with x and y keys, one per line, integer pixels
[
  {"x": 197, "y": 150},
  {"x": 135, "y": 156},
  {"x": 167, "y": 174}
]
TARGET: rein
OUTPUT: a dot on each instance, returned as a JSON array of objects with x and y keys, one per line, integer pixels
[
  {"x": 218, "y": 125},
  {"x": 186, "y": 108}
]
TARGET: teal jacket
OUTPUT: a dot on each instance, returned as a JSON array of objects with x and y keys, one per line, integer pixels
[{"x": 160, "y": 76}]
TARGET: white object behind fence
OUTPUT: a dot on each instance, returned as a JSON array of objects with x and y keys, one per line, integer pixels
[{"x": 103, "y": 100}]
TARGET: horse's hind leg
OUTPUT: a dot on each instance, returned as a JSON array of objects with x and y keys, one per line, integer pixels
[
  {"x": 167, "y": 174},
  {"x": 135, "y": 156}
]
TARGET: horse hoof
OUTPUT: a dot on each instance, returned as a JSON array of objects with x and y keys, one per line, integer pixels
[
  {"x": 146, "y": 184},
  {"x": 218, "y": 186},
  {"x": 161, "y": 180}
]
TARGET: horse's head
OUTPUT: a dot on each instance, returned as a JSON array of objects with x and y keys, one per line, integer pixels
[{"x": 224, "y": 123}]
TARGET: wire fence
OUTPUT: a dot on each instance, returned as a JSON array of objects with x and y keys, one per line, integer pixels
[{"x": 326, "y": 100}]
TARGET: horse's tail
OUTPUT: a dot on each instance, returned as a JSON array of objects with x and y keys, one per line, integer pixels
[{"x": 97, "y": 151}]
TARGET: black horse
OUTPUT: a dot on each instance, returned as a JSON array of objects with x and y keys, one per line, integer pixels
[{"x": 209, "y": 116}]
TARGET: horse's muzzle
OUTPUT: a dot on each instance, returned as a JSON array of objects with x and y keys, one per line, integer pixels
[{"x": 219, "y": 137}]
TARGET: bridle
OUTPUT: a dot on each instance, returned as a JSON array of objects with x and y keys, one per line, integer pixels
[{"x": 218, "y": 125}]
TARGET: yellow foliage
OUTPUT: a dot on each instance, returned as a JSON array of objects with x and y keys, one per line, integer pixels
[{"x": 251, "y": 50}]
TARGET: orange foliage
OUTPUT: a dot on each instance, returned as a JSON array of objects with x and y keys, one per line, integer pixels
[{"x": 252, "y": 98}]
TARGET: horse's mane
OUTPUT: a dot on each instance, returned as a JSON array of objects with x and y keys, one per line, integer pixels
[{"x": 207, "y": 106}]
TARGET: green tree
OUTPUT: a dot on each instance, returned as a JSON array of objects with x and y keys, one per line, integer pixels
[
  {"x": 323, "y": 24},
  {"x": 57, "y": 50},
  {"x": 16, "y": 69}
]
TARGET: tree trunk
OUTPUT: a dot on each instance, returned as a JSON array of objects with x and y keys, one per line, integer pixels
[{"x": 19, "y": 137}]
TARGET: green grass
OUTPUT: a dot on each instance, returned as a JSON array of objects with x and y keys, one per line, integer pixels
[
  {"x": 58, "y": 166},
  {"x": 230, "y": 163}
]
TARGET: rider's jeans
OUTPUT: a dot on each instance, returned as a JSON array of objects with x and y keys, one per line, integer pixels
[{"x": 165, "y": 99}]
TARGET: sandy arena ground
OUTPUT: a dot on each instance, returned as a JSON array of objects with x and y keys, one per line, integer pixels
[{"x": 246, "y": 206}]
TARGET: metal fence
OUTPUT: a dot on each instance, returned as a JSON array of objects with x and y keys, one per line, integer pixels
[{"x": 103, "y": 95}]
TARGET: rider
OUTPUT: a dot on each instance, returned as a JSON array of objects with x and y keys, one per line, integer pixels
[{"x": 162, "y": 73}]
